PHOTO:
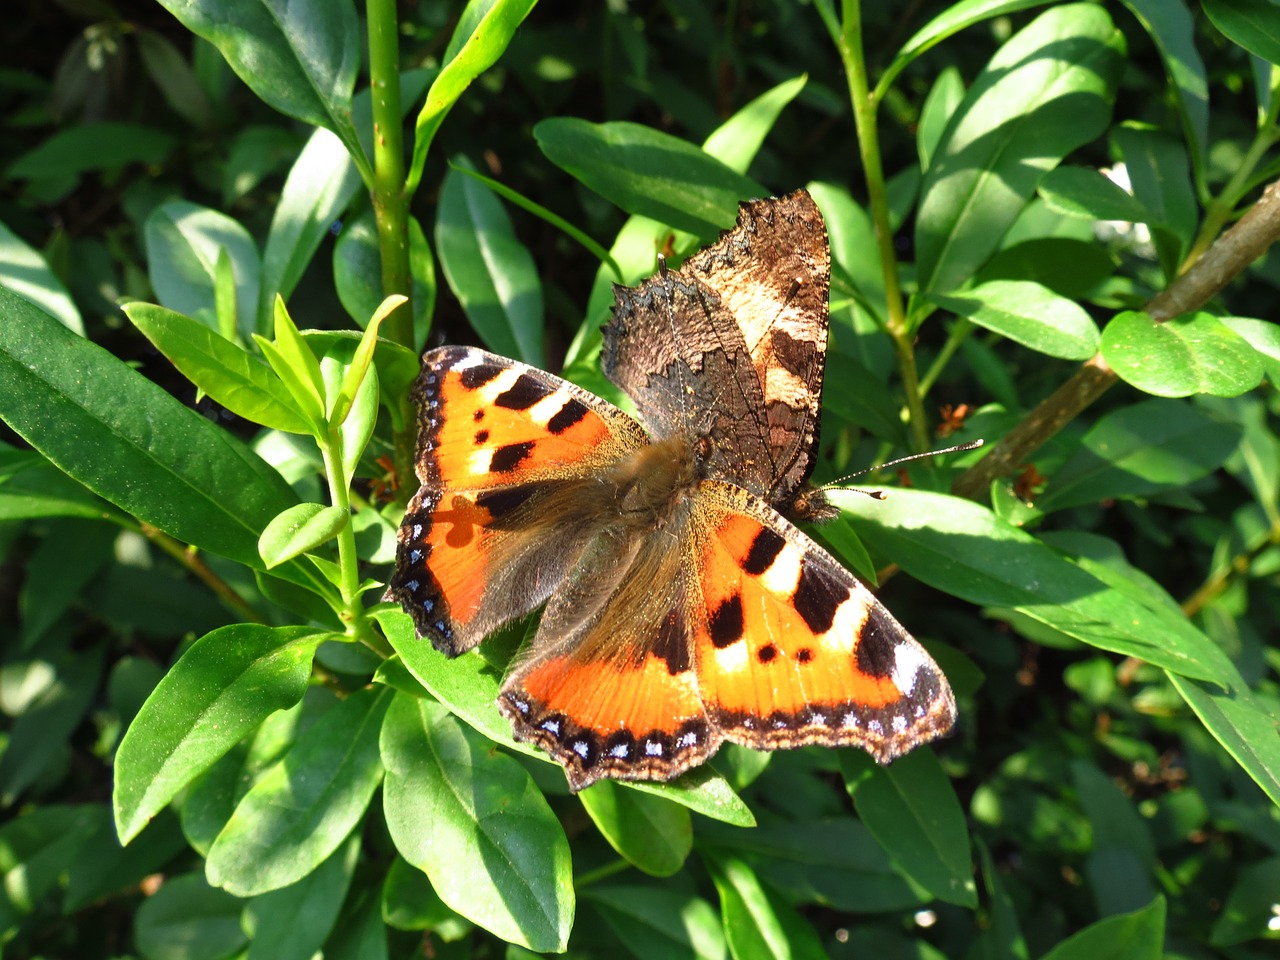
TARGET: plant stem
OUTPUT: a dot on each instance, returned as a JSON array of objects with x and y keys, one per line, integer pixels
[
  {"x": 189, "y": 558},
  {"x": 390, "y": 201},
  {"x": 1226, "y": 259},
  {"x": 352, "y": 612},
  {"x": 849, "y": 41}
]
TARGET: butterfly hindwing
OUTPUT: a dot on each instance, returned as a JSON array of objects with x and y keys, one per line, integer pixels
[{"x": 792, "y": 649}]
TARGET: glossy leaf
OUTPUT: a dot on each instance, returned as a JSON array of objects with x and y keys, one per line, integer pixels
[
  {"x": 320, "y": 184},
  {"x": 954, "y": 19},
  {"x": 1140, "y": 450},
  {"x": 301, "y": 528},
  {"x": 962, "y": 548},
  {"x": 482, "y": 35},
  {"x": 1029, "y": 314},
  {"x": 1252, "y": 24},
  {"x": 1088, "y": 195},
  {"x": 472, "y": 819},
  {"x": 1130, "y": 936},
  {"x": 829, "y": 861},
  {"x": 1047, "y": 91},
  {"x": 490, "y": 272},
  {"x": 304, "y": 807},
  {"x": 653, "y": 834},
  {"x": 186, "y": 919},
  {"x": 301, "y": 58},
  {"x": 1249, "y": 913},
  {"x": 184, "y": 241},
  {"x": 24, "y": 271},
  {"x": 85, "y": 147},
  {"x": 911, "y": 809},
  {"x": 1263, "y": 336},
  {"x": 1194, "y": 353},
  {"x": 1160, "y": 177},
  {"x": 757, "y": 924},
  {"x": 130, "y": 442},
  {"x": 1242, "y": 723},
  {"x": 647, "y": 172},
  {"x": 737, "y": 141},
  {"x": 357, "y": 271},
  {"x": 1172, "y": 28},
  {"x": 231, "y": 375},
  {"x": 469, "y": 686},
  {"x": 218, "y": 691},
  {"x": 660, "y": 923},
  {"x": 292, "y": 923}
]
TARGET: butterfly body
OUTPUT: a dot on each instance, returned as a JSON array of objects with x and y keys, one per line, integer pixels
[{"x": 682, "y": 608}]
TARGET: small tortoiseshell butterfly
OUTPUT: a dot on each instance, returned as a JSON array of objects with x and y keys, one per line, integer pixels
[{"x": 682, "y": 607}]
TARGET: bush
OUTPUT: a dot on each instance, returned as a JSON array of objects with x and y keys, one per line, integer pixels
[{"x": 202, "y": 501}]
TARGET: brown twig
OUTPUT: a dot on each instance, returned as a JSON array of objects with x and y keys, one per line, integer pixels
[{"x": 1226, "y": 259}]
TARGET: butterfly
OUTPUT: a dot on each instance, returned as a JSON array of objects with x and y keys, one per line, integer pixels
[{"x": 682, "y": 607}]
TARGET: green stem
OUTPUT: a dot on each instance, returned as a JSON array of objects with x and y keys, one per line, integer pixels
[
  {"x": 390, "y": 201},
  {"x": 1219, "y": 210},
  {"x": 352, "y": 612},
  {"x": 960, "y": 331},
  {"x": 849, "y": 41}
]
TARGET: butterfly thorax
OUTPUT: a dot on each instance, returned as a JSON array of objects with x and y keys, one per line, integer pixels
[{"x": 653, "y": 481}]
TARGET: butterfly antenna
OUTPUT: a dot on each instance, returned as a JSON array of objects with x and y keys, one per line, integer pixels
[{"x": 880, "y": 494}]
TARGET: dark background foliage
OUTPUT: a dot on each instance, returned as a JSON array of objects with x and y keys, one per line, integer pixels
[{"x": 1106, "y": 615}]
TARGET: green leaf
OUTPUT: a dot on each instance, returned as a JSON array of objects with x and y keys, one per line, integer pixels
[
  {"x": 296, "y": 366},
  {"x": 1263, "y": 336},
  {"x": 1140, "y": 450},
  {"x": 834, "y": 862},
  {"x": 186, "y": 919},
  {"x": 954, "y": 19},
  {"x": 304, "y": 807},
  {"x": 302, "y": 527},
  {"x": 1159, "y": 174},
  {"x": 1122, "y": 858},
  {"x": 647, "y": 172},
  {"x": 38, "y": 737},
  {"x": 293, "y": 923},
  {"x": 361, "y": 360},
  {"x": 1193, "y": 353},
  {"x": 225, "y": 684},
  {"x": 652, "y": 833},
  {"x": 35, "y": 851},
  {"x": 911, "y": 809},
  {"x": 1068, "y": 267},
  {"x": 944, "y": 99},
  {"x": 755, "y": 923},
  {"x": 489, "y": 270},
  {"x": 183, "y": 242},
  {"x": 231, "y": 375},
  {"x": 130, "y": 442},
  {"x": 474, "y": 821},
  {"x": 85, "y": 147},
  {"x": 964, "y": 549},
  {"x": 1252, "y": 24},
  {"x": 321, "y": 183},
  {"x": 482, "y": 35},
  {"x": 1130, "y": 936},
  {"x": 660, "y": 923},
  {"x": 469, "y": 686},
  {"x": 1244, "y": 726},
  {"x": 301, "y": 58},
  {"x": 736, "y": 142},
  {"x": 357, "y": 272},
  {"x": 1173, "y": 29},
  {"x": 1029, "y": 314},
  {"x": 24, "y": 271},
  {"x": 1088, "y": 195},
  {"x": 1047, "y": 91},
  {"x": 1250, "y": 910}
]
